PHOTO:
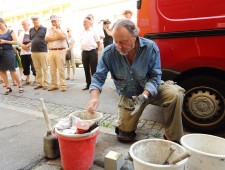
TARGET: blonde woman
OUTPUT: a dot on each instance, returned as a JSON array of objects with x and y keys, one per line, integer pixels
[{"x": 71, "y": 62}]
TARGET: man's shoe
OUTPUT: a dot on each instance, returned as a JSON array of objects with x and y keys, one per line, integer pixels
[
  {"x": 45, "y": 88},
  {"x": 53, "y": 88},
  {"x": 125, "y": 136},
  {"x": 63, "y": 89},
  {"x": 86, "y": 88},
  {"x": 175, "y": 141},
  {"x": 34, "y": 83},
  {"x": 37, "y": 87}
]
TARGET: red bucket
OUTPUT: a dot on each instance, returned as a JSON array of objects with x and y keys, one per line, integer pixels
[{"x": 77, "y": 153}]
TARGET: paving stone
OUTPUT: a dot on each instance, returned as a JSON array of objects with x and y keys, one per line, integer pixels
[
  {"x": 140, "y": 125},
  {"x": 110, "y": 119},
  {"x": 157, "y": 127},
  {"x": 155, "y": 133},
  {"x": 149, "y": 122},
  {"x": 142, "y": 121},
  {"x": 146, "y": 126},
  {"x": 114, "y": 116},
  {"x": 144, "y": 131},
  {"x": 140, "y": 137}
]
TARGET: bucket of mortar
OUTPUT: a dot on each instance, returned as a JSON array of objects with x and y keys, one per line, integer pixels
[
  {"x": 208, "y": 152},
  {"x": 149, "y": 154},
  {"x": 85, "y": 115}
]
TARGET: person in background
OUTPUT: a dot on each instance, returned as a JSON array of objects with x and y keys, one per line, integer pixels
[
  {"x": 90, "y": 43},
  {"x": 108, "y": 34},
  {"x": 39, "y": 53},
  {"x": 7, "y": 57},
  {"x": 127, "y": 14},
  {"x": 18, "y": 48},
  {"x": 70, "y": 62},
  {"x": 100, "y": 33},
  {"x": 25, "y": 54},
  {"x": 134, "y": 63},
  {"x": 56, "y": 38}
]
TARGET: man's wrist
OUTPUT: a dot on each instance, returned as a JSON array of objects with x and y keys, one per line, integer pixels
[{"x": 145, "y": 96}]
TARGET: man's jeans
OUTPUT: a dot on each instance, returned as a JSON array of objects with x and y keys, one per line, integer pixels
[{"x": 170, "y": 97}]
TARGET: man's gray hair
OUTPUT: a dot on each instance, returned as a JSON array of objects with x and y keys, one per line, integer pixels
[{"x": 129, "y": 25}]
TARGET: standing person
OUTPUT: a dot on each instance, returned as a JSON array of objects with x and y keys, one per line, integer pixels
[
  {"x": 25, "y": 53},
  {"x": 70, "y": 62},
  {"x": 108, "y": 34},
  {"x": 90, "y": 43},
  {"x": 7, "y": 56},
  {"x": 39, "y": 53},
  {"x": 100, "y": 33},
  {"x": 134, "y": 64},
  {"x": 56, "y": 38}
]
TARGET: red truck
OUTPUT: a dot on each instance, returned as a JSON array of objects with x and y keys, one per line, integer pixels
[{"x": 191, "y": 38}]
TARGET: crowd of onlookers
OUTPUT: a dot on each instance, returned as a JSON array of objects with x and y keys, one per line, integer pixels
[{"x": 37, "y": 48}]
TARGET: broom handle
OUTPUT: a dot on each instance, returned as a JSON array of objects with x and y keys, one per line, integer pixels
[{"x": 45, "y": 112}]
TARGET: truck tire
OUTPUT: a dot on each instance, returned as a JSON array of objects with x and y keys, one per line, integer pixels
[
  {"x": 204, "y": 104},
  {"x": 77, "y": 65}
]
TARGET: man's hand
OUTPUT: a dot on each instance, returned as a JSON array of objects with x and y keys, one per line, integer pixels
[
  {"x": 94, "y": 102},
  {"x": 138, "y": 102},
  {"x": 92, "y": 105}
]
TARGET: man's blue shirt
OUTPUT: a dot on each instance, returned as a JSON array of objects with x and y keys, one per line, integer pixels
[{"x": 130, "y": 79}]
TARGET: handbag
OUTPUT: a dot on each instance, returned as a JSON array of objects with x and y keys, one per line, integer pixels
[{"x": 68, "y": 55}]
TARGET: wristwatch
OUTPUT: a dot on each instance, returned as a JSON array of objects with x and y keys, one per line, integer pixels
[{"x": 146, "y": 97}]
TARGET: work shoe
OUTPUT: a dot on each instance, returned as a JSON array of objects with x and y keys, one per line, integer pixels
[
  {"x": 45, "y": 88},
  {"x": 63, "y": 89},
  {"x": 85, "y": 88},
  {"x": 175, "y": 141},
  {"x": 125, "y": 136},
  {"x": 53, "y": 88},
  {"x": 38, "y": 87}
]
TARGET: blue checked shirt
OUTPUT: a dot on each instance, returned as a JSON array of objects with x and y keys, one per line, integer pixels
[{"x": 130, "y": 80}]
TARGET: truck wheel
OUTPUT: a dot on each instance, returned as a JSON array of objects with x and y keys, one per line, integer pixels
[
  {"x": 204, "y": 104},
  {"x": 77, "y": 65}
]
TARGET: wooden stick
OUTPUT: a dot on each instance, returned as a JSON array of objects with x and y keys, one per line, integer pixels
[
  {"x": 172, "y": 149},
  {"x": 181, "y": 157}
]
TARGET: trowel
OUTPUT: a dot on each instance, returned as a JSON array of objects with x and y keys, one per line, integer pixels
[{"x": 51, "y": 145}]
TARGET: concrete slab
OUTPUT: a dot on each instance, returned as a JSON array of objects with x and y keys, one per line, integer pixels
[{"x": 21, "y": 142}]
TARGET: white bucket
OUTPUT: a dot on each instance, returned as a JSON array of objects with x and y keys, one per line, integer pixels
[
  {"x": 148, "y": 154},
  {"x": 85, "y": 115},
  {"x": 208, "y": 152}
]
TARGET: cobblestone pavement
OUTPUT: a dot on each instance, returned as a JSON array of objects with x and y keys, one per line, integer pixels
[{"x": 146, "y": 128}]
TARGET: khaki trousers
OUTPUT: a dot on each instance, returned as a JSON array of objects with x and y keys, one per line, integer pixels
[
  {"x": 56, "y": 60},
  {"x": 41, "y": 66},
  {"x": 170, "y": 97}
]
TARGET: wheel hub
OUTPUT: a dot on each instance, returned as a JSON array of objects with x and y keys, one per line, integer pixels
[{"x": 203, "y": 105}]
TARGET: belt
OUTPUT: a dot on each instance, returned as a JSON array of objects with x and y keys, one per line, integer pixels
[
  {"x": 88, "y": 51},
  {"x": 57, "y": 48}
]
